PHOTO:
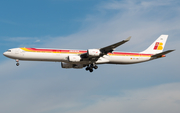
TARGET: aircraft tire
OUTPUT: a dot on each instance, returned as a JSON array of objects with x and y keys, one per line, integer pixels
[
  {"x": 95, "y": 67},
  {"x": 87, "y": 68},
  {"x": 91, "y": 70},
  {"x": 17, "y": 64}
]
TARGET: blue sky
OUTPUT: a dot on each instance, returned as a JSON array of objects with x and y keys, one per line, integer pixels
[{"x": 44, "y": 87}]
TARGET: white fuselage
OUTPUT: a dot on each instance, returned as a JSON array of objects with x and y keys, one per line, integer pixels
[
  {"x": 110, "y": 58},
  {"x": 90, "y": 58}
]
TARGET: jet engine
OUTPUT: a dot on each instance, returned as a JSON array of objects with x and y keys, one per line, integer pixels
[
  {"x": 93, "y": 52},
  {"x": 69, "y": 65},
  {"x": 74, "y": 58},
  {"x": 66, "y": 65}
]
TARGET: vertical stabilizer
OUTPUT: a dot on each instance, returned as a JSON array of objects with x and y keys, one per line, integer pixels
[{"x": 157, "y": 46}]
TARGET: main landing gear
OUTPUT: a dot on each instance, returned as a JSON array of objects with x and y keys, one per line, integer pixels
[
  {"x": 17, "y": 60},
  {"x": 90, "y": 68}
]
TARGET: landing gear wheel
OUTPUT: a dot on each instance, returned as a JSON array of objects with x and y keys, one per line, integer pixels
[
  {"x": 17, "y": 64},
  {"x": 90, "y": 70},
  {"x": 95, "y": 67},
  {"x": 90, "y": 67},
  {"x": 17, "y": 60},
  {"x": 87, "y": 68}
]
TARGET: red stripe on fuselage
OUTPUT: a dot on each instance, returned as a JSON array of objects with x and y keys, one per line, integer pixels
[
  {"x": 56, "y": 50},
  {"x": 83, "y": 51}
]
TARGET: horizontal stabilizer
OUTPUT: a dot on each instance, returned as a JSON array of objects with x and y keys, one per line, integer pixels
[{"x": 162, "y": 53}]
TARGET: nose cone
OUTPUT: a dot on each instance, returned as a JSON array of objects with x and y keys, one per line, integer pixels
[{"x": 4, "y": 53}]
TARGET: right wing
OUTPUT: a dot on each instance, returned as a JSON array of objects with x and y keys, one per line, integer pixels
[
  {"x": 112, "y": 47},
  {"x": 106, "y": 50}
]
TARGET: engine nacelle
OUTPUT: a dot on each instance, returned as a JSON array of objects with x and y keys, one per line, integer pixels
[
  {"x": 69, "y": 65},
  {"x": 66, "y": 65},
  {"x": 74, "y": 58},
  {"x": 93, "y": 52},
  {"x": 78, "y": 66}
]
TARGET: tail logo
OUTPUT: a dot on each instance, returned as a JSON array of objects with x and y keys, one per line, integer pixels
[{"x": 158, "y": 46}]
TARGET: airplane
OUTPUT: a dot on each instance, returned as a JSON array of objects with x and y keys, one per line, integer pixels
[{"x": 90, "y": 58}]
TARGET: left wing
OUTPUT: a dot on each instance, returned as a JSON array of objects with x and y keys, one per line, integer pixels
[{"x": 105, "y": 50}]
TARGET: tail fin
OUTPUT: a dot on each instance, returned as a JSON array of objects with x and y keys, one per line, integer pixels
[{"x": 157, "y": 46}]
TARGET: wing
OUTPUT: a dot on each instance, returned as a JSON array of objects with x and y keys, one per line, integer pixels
[
  {"x": 162, "y": 53},
  {"x": 112, "y": 47},
  {"x": 106, "y": 50}
]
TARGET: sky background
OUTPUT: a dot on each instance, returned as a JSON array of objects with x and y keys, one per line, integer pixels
[{"x": 44, "y": 87}]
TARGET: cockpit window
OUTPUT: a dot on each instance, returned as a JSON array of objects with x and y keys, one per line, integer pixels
[{"x": 8, "y": 50}]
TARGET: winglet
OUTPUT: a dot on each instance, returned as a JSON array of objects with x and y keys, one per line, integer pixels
[{"x": 128, "y": 39}]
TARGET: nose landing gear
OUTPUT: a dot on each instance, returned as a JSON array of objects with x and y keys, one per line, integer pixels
[
  {"x": 90, "y": 68},
  {"x": 17, "y": 60}
]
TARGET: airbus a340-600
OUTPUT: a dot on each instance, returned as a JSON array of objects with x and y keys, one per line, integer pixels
[{"x": 92, "y": 57}]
